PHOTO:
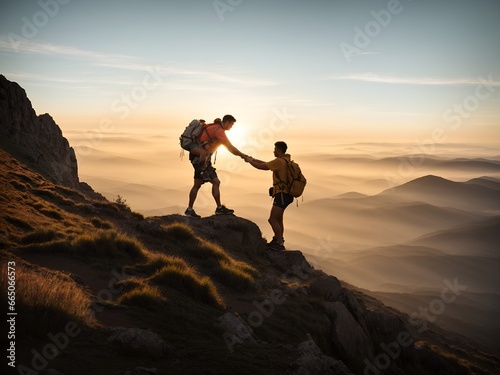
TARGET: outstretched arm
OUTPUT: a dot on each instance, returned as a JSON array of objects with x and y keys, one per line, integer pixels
[
  {"x": 259, "y": 164},
  {"x": 233, "y": 150}
]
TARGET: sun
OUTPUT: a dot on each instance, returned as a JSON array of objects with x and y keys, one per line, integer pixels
[{"x": 237, "y": 135}]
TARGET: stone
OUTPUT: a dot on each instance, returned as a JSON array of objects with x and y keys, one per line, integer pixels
[
  {"x": 236, "y": 331},
  {"x": 325, "y": 287},
  {"x": 349, "y": 339},
  {"x": 293, "y": 264},
  {"x": 311, "y": 360},
  {"x": 138, "y": 342}
]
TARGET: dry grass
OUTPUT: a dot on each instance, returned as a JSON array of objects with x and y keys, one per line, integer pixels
[
  {"x": 180, "y": 232},
  {"x": 139, "y": 293},
  {"x": 156, "y": 261},
  {"x": 108, "y": 244},
  {"x": 101, "y": 224},
  {"x": 217, "y": 263},
  {"x": 39, "y": 236},
  {"x": 186, "y": 280},
  {"x": 53, "y": 298},
  {"x": 237, "y": 275},
  {"x": 19, "y": 223}
]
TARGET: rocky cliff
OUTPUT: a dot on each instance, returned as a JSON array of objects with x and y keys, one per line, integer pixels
[{"x": 37, "y": 140}]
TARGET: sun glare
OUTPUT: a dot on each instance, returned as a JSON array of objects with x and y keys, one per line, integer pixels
[{"x": 237, "y": 135}]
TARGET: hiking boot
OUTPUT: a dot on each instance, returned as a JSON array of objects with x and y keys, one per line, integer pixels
[
  {"x": 222, "y": 210},
  {"x": 273, "y": 241},
  {"x": 275, "y": 246},
  {"x": 190, "y": 212}
]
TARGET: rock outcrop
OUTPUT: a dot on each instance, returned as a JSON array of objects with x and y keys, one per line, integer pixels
[
  {"x": 36, "y": 140},
  {"x": 139, "y": 342}
]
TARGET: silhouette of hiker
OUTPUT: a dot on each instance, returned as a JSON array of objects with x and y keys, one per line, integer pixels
[
  {"x": 279, "y": 191},
  {"x": 211, "y": 138}
]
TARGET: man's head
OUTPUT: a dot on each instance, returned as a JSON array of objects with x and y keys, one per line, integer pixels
[
  {"x": 280, "y": 148},
  {"x": 228, "y": 122}
]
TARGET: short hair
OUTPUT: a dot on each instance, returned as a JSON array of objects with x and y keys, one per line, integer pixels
[
  {"x": 280, "y": 145},
  {"x": 218, "y": 121},
  {"x": 228, "y": 118}
]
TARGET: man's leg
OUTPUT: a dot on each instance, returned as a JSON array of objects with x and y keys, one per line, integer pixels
[
  {"x": 194, "y": 191},
  {"x": 216, "y": 190},
  {"x": 276, "y": 222},
  {"x": 201, "y": 153}
]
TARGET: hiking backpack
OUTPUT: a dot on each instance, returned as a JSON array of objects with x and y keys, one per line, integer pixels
[
  {"x": 191, "y": 134},
  {"x": 295, "y": 180}
]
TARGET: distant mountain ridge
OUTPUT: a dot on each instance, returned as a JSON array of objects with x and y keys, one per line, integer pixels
[{"x": 442, "y": 192}]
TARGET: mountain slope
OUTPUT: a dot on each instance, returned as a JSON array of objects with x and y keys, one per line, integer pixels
[{"x": 478, "y": 238}]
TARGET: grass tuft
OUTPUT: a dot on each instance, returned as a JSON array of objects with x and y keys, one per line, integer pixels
[
  {"x": 140, "y": 294},
  {"x": 108, "y": 244},
  {"x": 51, "y": 213},
  {"x": 20, "y": 223},
  {"x": 189, "y": 282},
  {"x": 236, "y": 275},
  {"x": 101, "y": 224},
  {"x": 158, "y": 261},
  {"x": 39, "y": 236},
  {"x": 180, "y": 232}
]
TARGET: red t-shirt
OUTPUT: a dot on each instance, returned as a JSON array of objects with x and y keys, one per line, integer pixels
[{"x": 215, "y": 135}]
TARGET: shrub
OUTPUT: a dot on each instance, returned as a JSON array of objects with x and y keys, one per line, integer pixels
[
  {"x": 121, "y": 201},
  {"x": 108, "y": 244},
  {"x": 189, "y": 282}
]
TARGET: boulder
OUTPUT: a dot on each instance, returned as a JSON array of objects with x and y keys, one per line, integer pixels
[
  {"x": 236, "y": 331},
  {"x": 311, "y": 360},
  {"x": 293, "y": 264},
  {"x": 136, "y": 341},
  {"x": 325, "y": 287},
  {"x": 349, "y": 339}
]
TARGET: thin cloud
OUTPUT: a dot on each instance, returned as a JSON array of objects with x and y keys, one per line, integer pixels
[
  {"x": 46, "y": 49},
  {"x": 376, "y": 78},
  {"x": 126, "y": 63}
]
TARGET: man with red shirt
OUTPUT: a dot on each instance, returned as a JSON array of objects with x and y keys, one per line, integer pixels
[{"x": 212, "y": 136}]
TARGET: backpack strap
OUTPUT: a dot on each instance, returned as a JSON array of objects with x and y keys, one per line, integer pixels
[
  {"x": 280, "y": 181},
  {"x": 210, "y": 139}
]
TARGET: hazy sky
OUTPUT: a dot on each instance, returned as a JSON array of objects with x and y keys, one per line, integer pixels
[{"x": 367, "y": 70}]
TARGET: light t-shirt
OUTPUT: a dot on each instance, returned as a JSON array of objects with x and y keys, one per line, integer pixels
[{"x": 279, "y": 168}]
